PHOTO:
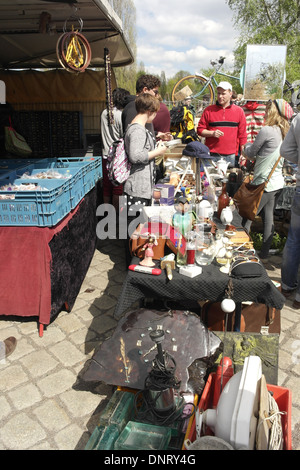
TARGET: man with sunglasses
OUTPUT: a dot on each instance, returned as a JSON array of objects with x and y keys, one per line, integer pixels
[{"x": 144, "y": 84}]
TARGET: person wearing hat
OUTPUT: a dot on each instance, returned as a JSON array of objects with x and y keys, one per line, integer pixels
[
  {"x": 265, "y": 150},
  {"x": 290, "y": 150},
  {"x": 223, "y": 125}
]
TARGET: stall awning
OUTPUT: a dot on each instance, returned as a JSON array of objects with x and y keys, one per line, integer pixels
[{"x": 30, "y": 29}]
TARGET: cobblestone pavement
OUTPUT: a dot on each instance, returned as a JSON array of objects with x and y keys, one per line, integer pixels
[{"x": 44, "y": 404}]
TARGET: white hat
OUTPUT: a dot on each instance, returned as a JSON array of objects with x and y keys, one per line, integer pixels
[{"x": 225, "y": 86}]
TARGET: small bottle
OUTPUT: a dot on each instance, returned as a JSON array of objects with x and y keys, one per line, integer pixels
[
  {"x": 181, "y": 257},
  {"x": 190, "y": 249},
  {"x": 223, "y": 200}
]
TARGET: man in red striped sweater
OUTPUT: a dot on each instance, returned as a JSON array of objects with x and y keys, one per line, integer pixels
[{"x": 223, "y": 125}]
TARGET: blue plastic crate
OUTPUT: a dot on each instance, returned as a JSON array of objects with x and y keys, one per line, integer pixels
[
  {"x": 74, "y": 179},
  {"x": 8, "y": 166},
  {"x": 41, "y": 208},
  {"x": 31, "y": 208}
]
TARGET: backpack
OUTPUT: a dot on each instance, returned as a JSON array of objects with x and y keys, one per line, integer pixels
[
  {"x": 117, "y": 163},
  {"x": 182, "y": 124}
]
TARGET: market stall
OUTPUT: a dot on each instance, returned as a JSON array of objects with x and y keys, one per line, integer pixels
[
  {"x": 170, "y": 298},
  {"x": 42, "y": 230},
  {"x": 54, "y": 67}
]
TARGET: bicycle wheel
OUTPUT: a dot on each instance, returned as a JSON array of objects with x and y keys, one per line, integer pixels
[{"x": 202, "y": 92}]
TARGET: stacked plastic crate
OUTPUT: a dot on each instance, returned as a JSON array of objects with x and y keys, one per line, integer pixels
[{"x": 52, "y": 199}]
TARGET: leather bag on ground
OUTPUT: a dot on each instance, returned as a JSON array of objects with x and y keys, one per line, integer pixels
[{"x": 254, "y": 318}]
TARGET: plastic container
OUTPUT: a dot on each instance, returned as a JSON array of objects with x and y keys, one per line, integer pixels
[
  {"x": 47, "y": 208},
  {"x": 119, "y": 411},
  {"x": 36, "y": 208},
  {"x": 140, "y": 436},
  {"x": 103, "y": 438},
  {"x": 282, "y": 396}
]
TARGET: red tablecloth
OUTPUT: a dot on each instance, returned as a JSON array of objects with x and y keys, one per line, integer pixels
[{"x": 25, "y": 278}]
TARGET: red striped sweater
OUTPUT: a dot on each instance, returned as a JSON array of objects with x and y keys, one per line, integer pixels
[{"x": 231, "y": 120}]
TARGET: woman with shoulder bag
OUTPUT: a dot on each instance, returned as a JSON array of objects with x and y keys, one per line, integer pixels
[
  {"x": 141, "y": 148},
  {"x": 265, "y": 150}
]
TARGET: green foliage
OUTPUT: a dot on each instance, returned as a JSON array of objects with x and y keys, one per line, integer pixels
[
  {"x": 268, "y": 22},
  {"x": 278, "y": 241}
]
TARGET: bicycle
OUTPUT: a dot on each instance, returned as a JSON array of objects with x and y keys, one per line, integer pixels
[{"x": 202, "y": 87}]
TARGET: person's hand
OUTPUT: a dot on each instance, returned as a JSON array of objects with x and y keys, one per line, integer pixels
[
  {"x": 217, "y": 133},
  {"x": 161, "y": 147},
  {"x": 242, "y": 161},
  {"x": 165, "y": 136}
]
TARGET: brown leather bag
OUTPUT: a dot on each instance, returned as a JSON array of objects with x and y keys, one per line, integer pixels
[
  {"x": 214, "y": 318},
  {"x": 255, "y": 318},
  {"x": 248, "y": 196},
  {"x": 166, "y": 237}
]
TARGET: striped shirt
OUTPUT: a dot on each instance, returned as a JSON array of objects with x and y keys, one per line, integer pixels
[
  {"x": 255, "y": 118},
  {"x": 231, "y": 120}
]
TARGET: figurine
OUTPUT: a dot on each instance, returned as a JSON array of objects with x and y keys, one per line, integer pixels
[
  {"x": 183, "y": 219},
  {"x": 148, "y": 247}
]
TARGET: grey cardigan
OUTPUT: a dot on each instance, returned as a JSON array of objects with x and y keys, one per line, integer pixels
[{"x": 138, "y": 143}]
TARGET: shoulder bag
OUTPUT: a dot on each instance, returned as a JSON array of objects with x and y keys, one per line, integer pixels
[
  {"x": 15, "y": 143},
  {"x": 248, "y": 196}
]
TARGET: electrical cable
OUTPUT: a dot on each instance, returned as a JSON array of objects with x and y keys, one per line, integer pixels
[{"x": 161, "y": 377}]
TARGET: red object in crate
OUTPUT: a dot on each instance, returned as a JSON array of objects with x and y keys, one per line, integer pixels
[{"x": 281, "y": 395}]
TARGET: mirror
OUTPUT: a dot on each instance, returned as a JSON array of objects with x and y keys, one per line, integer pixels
[{"x": 264, "y": 72}]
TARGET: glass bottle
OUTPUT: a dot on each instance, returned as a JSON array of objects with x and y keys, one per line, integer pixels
[
  {"x": 223, "y": 200},
  {"x": 190, "y": 248},
  {"x": 181, "y": 257}
]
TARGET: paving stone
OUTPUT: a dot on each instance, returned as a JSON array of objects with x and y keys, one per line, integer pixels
[
  {"x": 52, "y": 415},
  {"x": 104, "y": 302},
  {"x": 5, "y": 408},
  {"x": 67, "y": 353},
  {"x": 52, "y": 335},
  {"x": 57, "y": 383},
  {"x": 80, "y": 403},
  {"x": 25, "y": 396},
  {"x": 11, "y": 377},
  {"x": 39, "y": 363},
  {"x": 69, "y": 323},
  {"x": 21, "y": 432},
  {"x": 103, "y": 324},
  {"x": 68, "y": 438}
]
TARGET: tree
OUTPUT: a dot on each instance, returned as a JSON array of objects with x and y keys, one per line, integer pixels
[
  {"x": 125, "y": 9},
  {"x": 268, "y": 22}
]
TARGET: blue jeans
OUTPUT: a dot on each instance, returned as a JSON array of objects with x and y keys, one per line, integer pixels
[{"x": 291, "y": 252}]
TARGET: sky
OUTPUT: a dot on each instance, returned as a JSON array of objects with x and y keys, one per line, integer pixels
[{"x": 175, "y": 35}]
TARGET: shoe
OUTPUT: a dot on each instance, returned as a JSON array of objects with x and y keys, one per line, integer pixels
[
  {"x": 10, "y": 345},
  {"x": 296, "y": 305},
  {"x": 286, "y": 293}
]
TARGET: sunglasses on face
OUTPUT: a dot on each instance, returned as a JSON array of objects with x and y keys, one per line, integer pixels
[{"x": 154, "y": 91}]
